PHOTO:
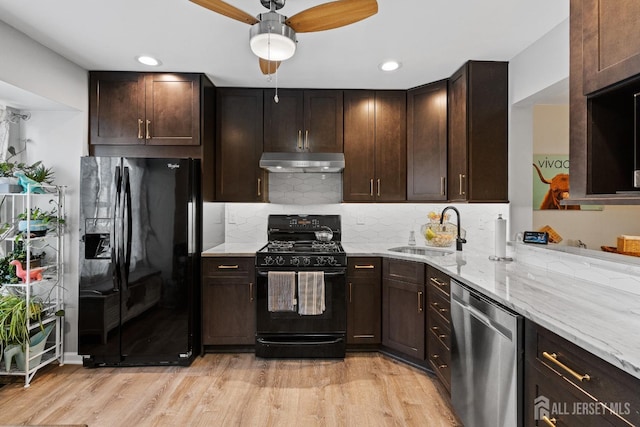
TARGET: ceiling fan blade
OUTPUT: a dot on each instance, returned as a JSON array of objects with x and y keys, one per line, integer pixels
[
  {"x": 268, "y": 67},
  {"x": 332, "y": 15},
  {"x": 227, "y": 10}
]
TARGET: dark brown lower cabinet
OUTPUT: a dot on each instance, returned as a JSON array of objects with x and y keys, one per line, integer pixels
[
  {"x": 228, "y": 301},
  {"x": 566, "y": 385},
  {"x": 403, "y": 307},
  {"x": 439, "y": 325},
  {"x": 364, "y": 293}
]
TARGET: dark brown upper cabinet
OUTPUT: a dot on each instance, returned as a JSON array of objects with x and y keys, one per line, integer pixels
[
  {"x": 128, "y": 108},
  {"x": 604, "y": 76},
  {"x": 478, "y": 133},
  {"x": 239, "y": 146},
  {"x": 427, "y": 142},
  {"x": 375, "y": 147},
  {"x": 611, "y": 42},
  {"x": 303, "y": 120}
]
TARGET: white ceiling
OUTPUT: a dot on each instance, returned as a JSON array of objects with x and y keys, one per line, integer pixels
[{"x": 430, "y": 38}]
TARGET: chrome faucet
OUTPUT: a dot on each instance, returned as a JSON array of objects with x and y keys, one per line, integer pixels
[{"x": 459, "y": 240}]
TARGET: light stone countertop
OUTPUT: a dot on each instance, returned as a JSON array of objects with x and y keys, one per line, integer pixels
[{"x": 600, "y": 318}]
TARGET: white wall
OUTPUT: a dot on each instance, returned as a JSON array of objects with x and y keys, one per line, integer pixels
[
  {"x": 539, "y": 73},
  {"x": 59, "y": 135}
]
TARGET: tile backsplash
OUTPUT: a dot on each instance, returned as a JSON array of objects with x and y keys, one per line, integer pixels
[
  {"x": 364, "y": 222},
  {"x": 305, "y": 188}
]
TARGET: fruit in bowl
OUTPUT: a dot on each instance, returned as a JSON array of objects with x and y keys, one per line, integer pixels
[{"x": 440, "y": 235}]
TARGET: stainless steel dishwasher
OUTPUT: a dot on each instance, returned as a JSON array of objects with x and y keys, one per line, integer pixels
[{"x": 486, "y": 360}]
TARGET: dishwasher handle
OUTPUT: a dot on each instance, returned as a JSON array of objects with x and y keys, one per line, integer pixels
[{"x": 484, "y": 310}]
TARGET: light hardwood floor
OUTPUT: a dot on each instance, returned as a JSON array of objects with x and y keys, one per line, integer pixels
[{"x": 364, "y": 389}]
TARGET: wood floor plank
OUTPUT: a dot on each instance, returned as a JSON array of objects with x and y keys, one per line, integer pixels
[{"x": 364, "y": 389}]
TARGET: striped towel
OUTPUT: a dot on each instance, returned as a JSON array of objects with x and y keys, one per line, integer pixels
[
  {"x": 311, "y": 293},
  {"x": 281, "y": 290}
]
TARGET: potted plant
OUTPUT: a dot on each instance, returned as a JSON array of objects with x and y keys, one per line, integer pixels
[
  {"x": 9, "y": 171},
  {"x": 38, "y": 221}
]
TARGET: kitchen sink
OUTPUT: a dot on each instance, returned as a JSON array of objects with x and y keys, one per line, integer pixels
[{"x": 420, "y": 251}]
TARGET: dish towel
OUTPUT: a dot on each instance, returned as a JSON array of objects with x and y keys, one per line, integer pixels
[
  {"x": 311, "y": 293},
  {"x": 281, "y": 290}
]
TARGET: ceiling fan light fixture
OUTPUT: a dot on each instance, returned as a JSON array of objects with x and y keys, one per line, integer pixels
[{"x": 272, "y": 39}]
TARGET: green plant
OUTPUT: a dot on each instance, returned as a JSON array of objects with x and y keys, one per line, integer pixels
[
  {"x": 13, "y": 318},
  {"x": 46, "y": 216},
  {"x": 36, "y": 171}
]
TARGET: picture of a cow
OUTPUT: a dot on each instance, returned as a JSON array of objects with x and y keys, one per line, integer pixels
[{"x": 558, "y": 191}]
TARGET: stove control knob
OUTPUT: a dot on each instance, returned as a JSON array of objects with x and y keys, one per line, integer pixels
[
  {"x": 331, "y": 260},
  {"x": 320, "y": 260},
  {"x": 280, "y": 260},
  {"x": 306, "y": 260},
  {"x": 268, "y": 260},
  {"x": 295, "y": 260}
]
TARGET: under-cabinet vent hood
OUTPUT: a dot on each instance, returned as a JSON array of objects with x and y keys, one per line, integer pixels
[{"x": 302, "y": 162}]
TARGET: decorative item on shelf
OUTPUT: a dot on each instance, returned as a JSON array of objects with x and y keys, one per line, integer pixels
[
  {"x": 14, "y": 325},
  {"x": 554, "y": 237},
  {"x": 34, "y": 273},
  {"x": 15, "y": 177},
  {"x": 39, "y": 221},
  {"x": 36, "y": 346}
]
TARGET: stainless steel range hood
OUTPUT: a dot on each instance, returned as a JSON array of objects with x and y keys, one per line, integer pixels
[{"x": 302, "y": 162}]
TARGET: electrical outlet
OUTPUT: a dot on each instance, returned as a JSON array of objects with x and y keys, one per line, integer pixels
[
  {"x": 232, "y": 218},
  {"x": 360, "y": 219}
]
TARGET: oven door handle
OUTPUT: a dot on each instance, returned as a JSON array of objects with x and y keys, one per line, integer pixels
[
  {"x": 299, "y": 343},
  {"x": 329, "y": 274}
]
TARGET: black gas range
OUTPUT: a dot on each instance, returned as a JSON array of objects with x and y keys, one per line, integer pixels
[{"x": 294, "y": 252}]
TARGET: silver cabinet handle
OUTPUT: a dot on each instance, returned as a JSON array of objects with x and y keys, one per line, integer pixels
[
  {"x": 371, "y": 187},
  {"x": 251, "y": 292},
  {"x": 140, "y": 129},
  {"x": 419, "y": 302},
  {"x": 461, "y": 177},
  {"x": 378, "y": 187},
  {"x": 227, "y": 267},
  {"x": 147, "y": 129},
  {"x": 299, "y": 140},
  {"x": 443, "y": 181},
  {"x": 259, "y": 187},
  {"x": 306, "y": 140}
]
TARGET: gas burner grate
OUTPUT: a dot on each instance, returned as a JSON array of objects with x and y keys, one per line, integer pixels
[
  {"x": 324, "y": 246},
  {"x": 281, "y": 244}
]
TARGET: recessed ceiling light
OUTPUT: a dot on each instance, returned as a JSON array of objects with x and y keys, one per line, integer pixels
[
  {"x": 148, "y": 60},
  {"x": 389, "y": 65}
]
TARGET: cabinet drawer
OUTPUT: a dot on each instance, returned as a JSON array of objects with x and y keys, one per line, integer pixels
[
  {"x": 405, "y": 271},
  {"x": 439, "y": 360},
  {"x": 441, "y": 306},
  {"x": 438, "y": 280},
  {"x": 603, "y": 381},
  {"x": 228, "y": 267},
  {"x": 362, "y": 267},
  {"x": 439, "y": 327}
]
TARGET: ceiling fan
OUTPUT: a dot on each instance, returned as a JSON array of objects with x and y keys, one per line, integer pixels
[{"x": 273, "y": 36}]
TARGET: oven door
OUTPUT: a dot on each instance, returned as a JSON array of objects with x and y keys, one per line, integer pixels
[{"x": 289, "y": 334}]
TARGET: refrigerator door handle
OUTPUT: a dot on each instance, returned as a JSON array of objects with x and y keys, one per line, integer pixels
[
  {"x": 115, "y": 247},
  {"x": 128, "y": 223}
]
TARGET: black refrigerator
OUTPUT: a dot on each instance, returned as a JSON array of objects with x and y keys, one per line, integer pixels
[{"x": 139, "y": 270}]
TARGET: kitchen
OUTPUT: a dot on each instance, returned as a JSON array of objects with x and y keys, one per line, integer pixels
[{"x": 535, "y": 73}]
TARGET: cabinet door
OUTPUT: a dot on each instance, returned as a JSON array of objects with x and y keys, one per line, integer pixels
[
  {"x": 283, "y": 121},
  {"x": 478, "y": 135},
  {"x": 391, "y": 146},
  {"x": 364, "y": 294},
  {"x": 172, "y": 109},
  {"x": 228, "y": 301},
  {"x": 323, "y": 121},
  {"x": 239, "y": 146},
  {"x": 403, "y": 317},
  {"x": 611, "y": 42},
  {"x": 457, "y": 147},
  {"x": 229, "y": 312},
  {"x": 359, "y": 146},
  {"x": 116, "y": 108},
  {"x": 427, "y": 142}
]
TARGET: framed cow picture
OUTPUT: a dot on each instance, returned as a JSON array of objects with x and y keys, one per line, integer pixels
[{"x": 551, "y": 183}]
